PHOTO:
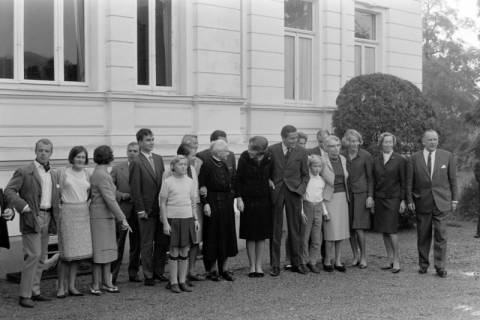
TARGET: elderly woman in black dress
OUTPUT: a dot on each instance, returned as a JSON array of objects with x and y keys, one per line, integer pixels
[
  {"x": 359, "y": 166},
  {"x": 389, "y": 185},
  {"x": 253, "y": 201}
]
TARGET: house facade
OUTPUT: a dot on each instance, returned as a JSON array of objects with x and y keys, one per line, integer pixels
[{"x": 94, "y": 72}]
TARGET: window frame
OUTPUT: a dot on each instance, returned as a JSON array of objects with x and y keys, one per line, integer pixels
[
  {"x": 152, "y": 87},
  {"x": 58, "y": 44},
  {"x": 368, "y": 43},
  {"x": 306, "y": 34}
]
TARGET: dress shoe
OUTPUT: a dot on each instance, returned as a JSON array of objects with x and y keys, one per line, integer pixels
[
  {"x": 302, "y": 269},
  {"x": 213, "y": 275},
  {"x": 74, "y": 293},
  {"x": 113, "y": 289},
  {"x": 149, "y": 282},
  {"x": 161, "y": 278},
  {"x": 390, "y": 266},
  {"x": 26, "y": 302},
  {"x": 227, "y": 276},
  {"x": 196, "y": 277},
  {"x": 422, "y": 270},
  {"x": 252, "y": 274},
  {"x": 477, "y": 236},
  {"x": 362, "y": 266},
  {"x": 313, "y": 268},
  {"x": 134, "y": 279},
  {"x": 175, "y": 288},
  {"x": 275, "y": 272},
  {"x": 259, "y": 274},
  {"x": 328, "y": 267},
  {"x": 184, "y": 287},
  {"x": 287, "y": 267},
  {"x": 442, "y": 273},
  {"x": 39, "y": 297},
  {"x": 95, "y": 292},
  {"x": 396, "y": 270},
  {"x": 340, "y": 268}
]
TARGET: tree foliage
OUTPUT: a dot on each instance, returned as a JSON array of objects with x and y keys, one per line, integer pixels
[{"x": 376, "y": 103}]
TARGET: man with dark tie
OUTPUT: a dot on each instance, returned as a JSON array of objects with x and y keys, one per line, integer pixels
[
  {"x": 145, "y": 182},
  {"x": 120, "y": 176},
  {"x": 322, "y": 134},
  {"x": 33, "y": 192},
  {"x": 432, "y": 194},
  {"x": 289, "y": 176}
]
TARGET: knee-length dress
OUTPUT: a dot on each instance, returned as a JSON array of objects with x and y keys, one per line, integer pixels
[
  {"x": 219, "y": 231},
  {"x": 251, "y": 184},
  {"x": 104, "y": 210},
  {"x": 74, "y": 234}
]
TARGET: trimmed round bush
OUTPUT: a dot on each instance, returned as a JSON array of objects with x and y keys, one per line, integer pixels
[{"x": 375, "y": 103}]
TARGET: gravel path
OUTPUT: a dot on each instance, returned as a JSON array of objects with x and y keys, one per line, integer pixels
[{"x": 359, "y": 294}]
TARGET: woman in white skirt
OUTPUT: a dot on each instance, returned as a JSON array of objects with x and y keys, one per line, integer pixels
[
  {"x": 335, "y": 197},
  {"x": 74, "y": 237}
]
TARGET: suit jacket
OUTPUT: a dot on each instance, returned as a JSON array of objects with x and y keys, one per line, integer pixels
[
  {"x": 442, "y": 185},
  {"x": 145, "y": 184},
  {"x": 103, "y": 204},
  {"x": 317, "y": 151},
  {"x": 329, "y": 176},
  {"x": 4, "y": 240},
  {"x": 293, "y": 173},
  {"x": 25, "y": 187},
  {"x": 389, "y": 178},
  {"x": 120, "y": 176}
]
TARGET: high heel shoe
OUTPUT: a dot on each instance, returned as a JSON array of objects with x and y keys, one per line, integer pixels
[
  {"x": 95, "y": 292},
  {"x": 75, "y": 293},
  {"x": 112, "y": 289}
]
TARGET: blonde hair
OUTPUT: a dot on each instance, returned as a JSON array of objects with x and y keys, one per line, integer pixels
[
  {"x": 314, "y": 159},
  {"x": 176, "y": 160}
]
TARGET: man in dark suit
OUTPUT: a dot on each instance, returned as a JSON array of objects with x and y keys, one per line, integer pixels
[
  {"x": 322, "y": 134},
  {"x": 432, "y": 194},
  {"x": 120, "y": 176},
  {"x": 33, "y": 192},
  {"x": 145, "y": 182},
  {"x": 289, "y": 178}
]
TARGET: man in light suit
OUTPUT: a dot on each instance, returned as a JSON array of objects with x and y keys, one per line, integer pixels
[
  {"x": 33, "y": 191},
  {"x": 145, "y": 182},
  {"x": 120, "y": 175},
  {"x": 432, "y": 194},
  {"x": 322, "y": 134},
  {"x": 289, "y": 178}
]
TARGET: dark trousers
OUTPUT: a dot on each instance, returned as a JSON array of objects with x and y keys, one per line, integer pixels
[
  {"x": 293, "y": 208},
  {"x": 478, "y": 226},
  {"x": 426, "y": 221},
  {"x": 134, "y": 253},
  {"x": 154, "y": 246}
]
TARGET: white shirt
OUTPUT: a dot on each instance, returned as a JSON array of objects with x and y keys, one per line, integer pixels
[
  {"x": 285, "y": 148},
  {"x": 315, "y": 187},
  {"x": 46, "y": 181},
  {"x": 425, "y": 156},
  {"x": 386, "y": 157}
]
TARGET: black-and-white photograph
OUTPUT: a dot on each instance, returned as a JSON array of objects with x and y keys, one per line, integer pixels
[{"x": 240, "y": 159}]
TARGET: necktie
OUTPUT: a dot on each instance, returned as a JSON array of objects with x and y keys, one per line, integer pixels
[
  {"x": 189, "y": 172},
  {"x": 287, "y": 154},
  {"x": 429, "y": 163},
  {"x": 46, "y": 167},
  {"x": 150, "y": 159}
]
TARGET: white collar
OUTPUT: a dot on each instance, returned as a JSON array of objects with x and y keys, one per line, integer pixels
[
  {"x": 146, "y": 154},
  {"x": 426, "y": 152}
]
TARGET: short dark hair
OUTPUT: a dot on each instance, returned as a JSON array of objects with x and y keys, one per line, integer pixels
[
  {"x": 218, "y": 134},
  {"x": 44, "y": 141},
  {"x": 75, "y": 151},
  {"x": 184, "y": 150},
  {"x": 258, "y": 144},
  {"x": 142, "y": 133},
  {"x": 103, "y": 155},
  {"x": 286, "y": 130}
]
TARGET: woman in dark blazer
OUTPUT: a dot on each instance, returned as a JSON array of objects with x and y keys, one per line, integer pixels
[
  {"x": 104, "y": 210},
  {"x": 253, "y": 201},
  {"x": 389, "y": 185}
]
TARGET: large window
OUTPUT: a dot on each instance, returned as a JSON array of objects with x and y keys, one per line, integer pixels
[
  {"x": 298, "y": 49},
  {"x": 154, "y": 42},
  {"x": 366, "y": 43},
  {"x": 53, "y": 46}
]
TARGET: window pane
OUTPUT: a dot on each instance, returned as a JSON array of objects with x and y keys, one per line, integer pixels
[
  {"x": 38, "y": 40},
  {"x": 163, "y": 42},
  {"x": 369, "y": 60},
  {"x": 364, "y": 25},
  {"x": 289, "y": 67},
  {"x": 298, "y": 14},
  {"x": 305, "y": 69},
  {"x": 142, "y": 42},
  {"x": 74, "y": 40},
  {"x": 6, "y": 39},
  {"x": 358, "y": 60}
]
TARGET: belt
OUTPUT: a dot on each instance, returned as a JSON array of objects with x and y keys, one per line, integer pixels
[{"x": 49, "y": 210}]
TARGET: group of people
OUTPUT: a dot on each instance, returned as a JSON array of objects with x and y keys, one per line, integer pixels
[{"x": 325, "y": 195}]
